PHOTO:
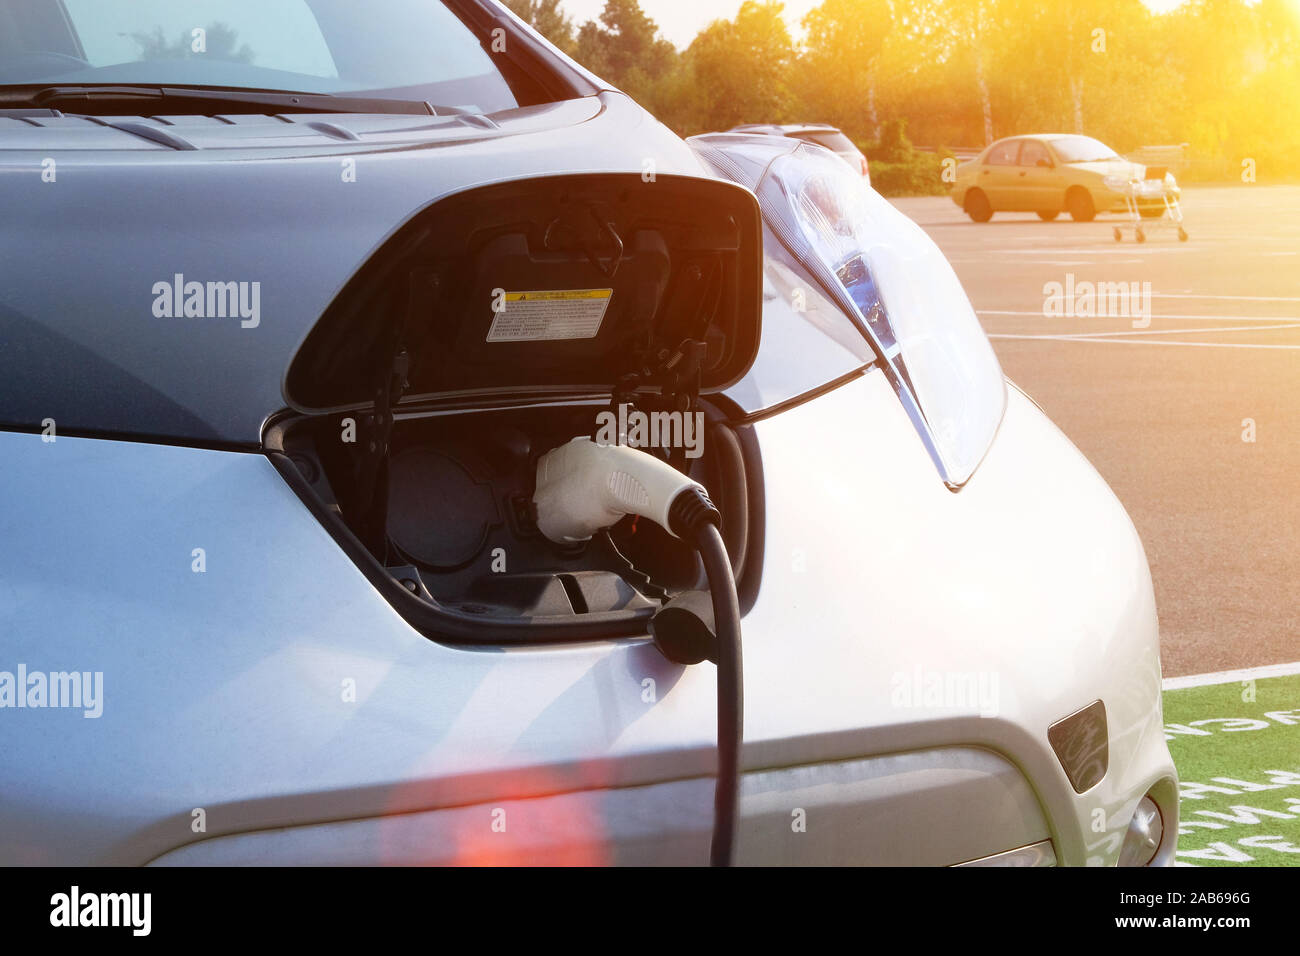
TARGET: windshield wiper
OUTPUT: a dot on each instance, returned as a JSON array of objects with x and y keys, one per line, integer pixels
[{"x": 92, "y": 96}]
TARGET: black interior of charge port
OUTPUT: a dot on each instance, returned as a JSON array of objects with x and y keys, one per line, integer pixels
[{"x": 465, "y": 479}]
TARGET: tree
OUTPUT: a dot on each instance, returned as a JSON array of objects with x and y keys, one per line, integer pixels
[
  {"x": 963, "y": 31},
  {"x": 624, "y": 47},
  {"x": 546, "y": 17},
  {"x": 741, "y": 67},
  {"x": 837, "y": 72}
]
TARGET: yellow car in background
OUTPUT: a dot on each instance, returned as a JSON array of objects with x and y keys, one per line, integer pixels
[{"x": 1049, "y": 173}]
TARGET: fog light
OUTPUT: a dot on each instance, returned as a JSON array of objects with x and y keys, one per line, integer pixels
[{"x": 1145, "y": 832}]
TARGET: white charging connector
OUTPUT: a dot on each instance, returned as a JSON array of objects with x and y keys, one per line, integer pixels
[{"x": 583, "y": 487}]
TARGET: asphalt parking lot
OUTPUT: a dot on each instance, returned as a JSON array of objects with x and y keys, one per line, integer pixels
[{"x": 1166, "y": 410}]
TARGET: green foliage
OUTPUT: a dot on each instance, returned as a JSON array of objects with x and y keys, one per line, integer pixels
[
  {"x": 894, "y": 146},
  {"x": 624, "y": 47},
  {"x": 921, "y": 175},
  {"x": 1220, "y": 75},
  {"x": 546, "y": 17},
  {"x": 740, "y": 68},
  {"x": 835, "y": 78},
  {"x": 899, "y": 169}
]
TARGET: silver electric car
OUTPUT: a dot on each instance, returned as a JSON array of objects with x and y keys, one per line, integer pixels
[{"x": 297, "y": 303}]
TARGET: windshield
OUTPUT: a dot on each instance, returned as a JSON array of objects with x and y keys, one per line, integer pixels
[
  {"x": 1081, "y": 149},
  {"x": 835, "y": 141},
  {"x": 400, "y": 49}
]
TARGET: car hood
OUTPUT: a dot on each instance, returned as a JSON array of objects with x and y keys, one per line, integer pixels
[
  {"x": 1109, "y": 167},
  {"x": 106, "y": 218}
]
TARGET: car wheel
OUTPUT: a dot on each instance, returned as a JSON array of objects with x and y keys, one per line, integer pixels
[
  {"x": 1048, "y": 216},
  {"x": 1078, "y": 202},
  {"x": 977, "y": 206}
]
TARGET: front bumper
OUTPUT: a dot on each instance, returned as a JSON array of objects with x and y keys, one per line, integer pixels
[{"x": 1107, "y": 199}]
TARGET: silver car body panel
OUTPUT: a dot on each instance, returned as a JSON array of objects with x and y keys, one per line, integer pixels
[{"x": 227, "y": 690}]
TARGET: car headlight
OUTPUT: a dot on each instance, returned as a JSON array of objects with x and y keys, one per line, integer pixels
[
  {"x": 1117, "y": 183},
  {"x": 891, "y": 278}
]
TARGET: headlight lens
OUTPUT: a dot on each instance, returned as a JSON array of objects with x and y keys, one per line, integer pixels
[
  {"x": 891, "y": 277},
  {"x": 1118, "y": 183}
]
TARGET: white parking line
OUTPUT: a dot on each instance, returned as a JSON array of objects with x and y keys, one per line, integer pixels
[
  {"x": 1229, "y": 677},
  {"x": 1083, "y": 262},
  {"x": 1189, "y": 318},
  {"x": 1114, "y": 341},
  {"x": 1112, "y": 250},
  {"x": 1071, "y": 263},
  {"x": 1234, "y": 298},
  {"x": 1222, "y": 328}
]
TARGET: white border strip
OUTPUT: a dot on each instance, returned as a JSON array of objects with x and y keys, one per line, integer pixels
[{"x": 1229, "y": 677}]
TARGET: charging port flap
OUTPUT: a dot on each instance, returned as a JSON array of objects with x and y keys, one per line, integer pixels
[{"x": 573, "y": 284}]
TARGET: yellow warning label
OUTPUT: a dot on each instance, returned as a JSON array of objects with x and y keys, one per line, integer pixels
[{"x": 549, "y": 314}]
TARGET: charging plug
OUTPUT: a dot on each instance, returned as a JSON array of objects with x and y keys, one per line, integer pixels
[{"x": 583, "y": 487}]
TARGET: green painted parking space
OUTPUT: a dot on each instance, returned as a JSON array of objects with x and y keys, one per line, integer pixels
[{"x": 1237, "y": 749}]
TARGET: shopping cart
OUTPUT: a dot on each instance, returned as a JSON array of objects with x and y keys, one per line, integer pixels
[{"x": 1150, "y": 196}]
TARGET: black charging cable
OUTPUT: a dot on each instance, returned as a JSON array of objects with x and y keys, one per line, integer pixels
[{"x": 693, "y": 517}]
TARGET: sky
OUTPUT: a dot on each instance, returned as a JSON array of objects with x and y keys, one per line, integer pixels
[{"x": 680, "y": 20}]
